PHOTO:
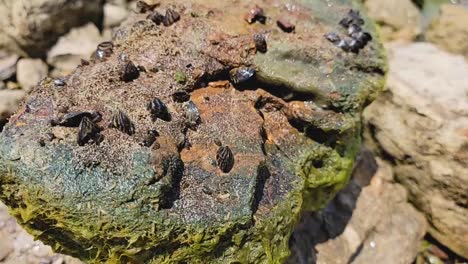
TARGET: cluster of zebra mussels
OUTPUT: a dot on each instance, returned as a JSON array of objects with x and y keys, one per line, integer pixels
[{"x": 357, "y": 39}]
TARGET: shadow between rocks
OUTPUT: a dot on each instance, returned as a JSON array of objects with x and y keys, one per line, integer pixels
[{"x": 329, "y": 222}]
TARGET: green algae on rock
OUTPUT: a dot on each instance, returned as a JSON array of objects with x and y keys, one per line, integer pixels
[{"x": 293, "y": 128}]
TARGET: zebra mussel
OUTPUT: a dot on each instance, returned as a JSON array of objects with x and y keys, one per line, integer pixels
[
  {"x": 158, "y": 109},
  {"x": 241, "y": 74},
  {"x": 104, "y": 50},
  {"x": 260, "y": 43},
  {"x": 129, "y": 71},
  {"x": 150, "y": 138},
  {"x": 122, "y": 122},
  {"x": 224, "y": 158},
  {"x": 357, "y": 39},
  {"x": 192, "y": 115},
  {"x": 87, "y": 131},
  {"x": 73, "y": 119}
]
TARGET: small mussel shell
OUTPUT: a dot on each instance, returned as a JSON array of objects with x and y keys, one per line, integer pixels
[
  {"x": 59, "y": 82},
  {"x": 225, "y": 159},
  {"x": 129, "y": 72},
  {"x": 180, "y": 96},
  {"x": 332, "y": 37},
  {"x": 74, "y": 119},
  {"x": 158, "y": 109},
  {"x": 241, "y": 74},
  {"x": 255, "y": 14},
  {"x": 143, "y": 7},
  {"x": 362, "y": 37},
  {"x": 156, "y": 17},
  {"x": 353, "y": 28},
  {"x": 353, "y": 17},
  {"x": 171, "y": 17},
  {"x": 260, "y": 43},
  {"x": 150, "y": 138},
  {"x": 285, "y": 25},
  {"x": 87, "y": 131},
  {"x": 192, "y": 114},
  {"x": 104, "y": 50},
  {"x": 122, "y": 122}
]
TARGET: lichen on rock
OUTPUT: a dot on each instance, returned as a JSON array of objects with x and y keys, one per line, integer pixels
[{"x": 290, "y": 117}]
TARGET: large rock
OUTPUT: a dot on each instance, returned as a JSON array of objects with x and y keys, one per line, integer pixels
[
  {"x": 30, "y": 27},
  {"x": 370, "y": 221},
  {"x": 449, "y": 30},
  {"x": 114, "y": 194},
  {"x": 421, "y": 124}
]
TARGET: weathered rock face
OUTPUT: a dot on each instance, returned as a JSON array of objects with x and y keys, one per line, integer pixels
[
  {"x": 369, "y": 221},
  {"x": 188, "y": 139},
  {"x": 448, "y": 31},
  {"x": 30, "y": 27},
  {"x": 421, "y": 123}
]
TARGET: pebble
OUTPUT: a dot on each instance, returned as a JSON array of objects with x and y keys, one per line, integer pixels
[{"x": 30, "y": 71}]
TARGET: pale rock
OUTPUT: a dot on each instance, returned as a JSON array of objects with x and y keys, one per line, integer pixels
[
  {"x": 78, "y": 44},
  {"x": 30, "y": 72},
  {"x": 449, "y": 31},
  {"x": 370, "y": 221},
  {"x": 114, "y": 15},
  {"x": 9, "y": 102},
  {"x": 421, "y": 123},
  {"x": 31, "y": 27},
  {"x": 401, "y": 19},
  {"x": 7, "y": 65}
]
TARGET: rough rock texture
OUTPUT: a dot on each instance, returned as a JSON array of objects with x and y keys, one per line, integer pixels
[
  {"x": 370, "y": 221},
  {"x": 77, "y": 44},
  {"x": 400, "y": 19},
  {"x": 30, "y": 72},
  {"x": 111, "y": 193},
  {"x": 421, "y": 124},
  {"x": 30, "y": 27},
  {"x": 449, "y": 31}
]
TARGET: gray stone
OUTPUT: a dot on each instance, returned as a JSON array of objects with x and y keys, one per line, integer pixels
[
  {"x": 31, "y": 27},
  {"x": 30, "y": 72},
  {"x": 421, "y": 122}
]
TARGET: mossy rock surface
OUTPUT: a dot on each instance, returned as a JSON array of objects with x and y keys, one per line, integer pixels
[{"x": 293, "y": 128}]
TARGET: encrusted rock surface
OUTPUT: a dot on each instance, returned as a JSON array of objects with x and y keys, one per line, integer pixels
[
  {"x": 143, "y": 182},
  {"x": 30, "y": 27},
  {"x": 421, "y": 124}
]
